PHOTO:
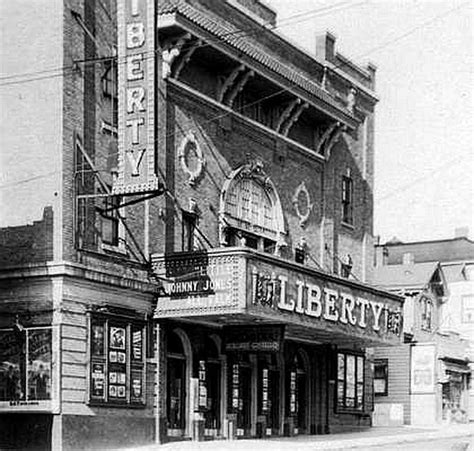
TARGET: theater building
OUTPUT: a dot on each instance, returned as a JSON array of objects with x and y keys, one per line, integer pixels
[
  {"x": 266, "y": 307},
  {"x": 196, "y": 260}
]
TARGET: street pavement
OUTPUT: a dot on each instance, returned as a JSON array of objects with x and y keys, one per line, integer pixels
[{"x": 444, "y": 438}]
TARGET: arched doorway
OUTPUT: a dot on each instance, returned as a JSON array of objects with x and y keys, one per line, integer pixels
[
  {"x": 177, "y": 372},
  {"x": 298, "y": 392},
  {"x": 213, "y": 371}
]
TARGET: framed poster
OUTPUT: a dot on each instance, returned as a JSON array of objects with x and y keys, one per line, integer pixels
[
  {"x": 98, "y": 380},
  {"x": 117, "y": 364},
  {"x": 117, "y": 338}
]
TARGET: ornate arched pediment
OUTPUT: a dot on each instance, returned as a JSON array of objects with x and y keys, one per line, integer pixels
[{"x": 250, "y": 202}]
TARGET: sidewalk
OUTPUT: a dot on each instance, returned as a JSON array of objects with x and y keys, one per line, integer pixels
[{"x": 376, "y": 436}]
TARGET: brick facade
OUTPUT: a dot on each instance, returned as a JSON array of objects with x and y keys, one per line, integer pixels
[{"x": 73, "y": 275}]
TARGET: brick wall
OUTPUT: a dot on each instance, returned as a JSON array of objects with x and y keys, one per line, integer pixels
[{"x": 30, "y": 243}]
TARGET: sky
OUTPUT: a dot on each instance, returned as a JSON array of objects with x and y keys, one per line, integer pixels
[{"x": 423, "y": 50}]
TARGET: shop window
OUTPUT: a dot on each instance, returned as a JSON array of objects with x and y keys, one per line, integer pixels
[
  {"x": 381, "y": 377},
  {"x": 25, "y": 364},
  {"x": 467, "y": 309},
  {"x": 347, "y": 200},
  {"x": 350, "y": 382},
  {"x": 117, "y": 361},
  {"x": 426, "y": 313}
]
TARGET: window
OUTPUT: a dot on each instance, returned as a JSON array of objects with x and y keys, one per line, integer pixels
[
  {"x": 350, "y": 382},
  {"x": 117, "y": 361},
  {"x": 189, "y": 230},
  {"x": 381, "y": 377},
  {"x": 25, "y": 364},
  {"x": 109, "y": 80},
  {"x": 347, "y": 200},
  {"x": 251, "y": 214},
  {"x": 426, "y": 313},
  {"x": 467, "y": 309},
  {"x": 408, "y": 258},
  {"x": 110, "y": 89},
  {"x": 110, "y": 220}
]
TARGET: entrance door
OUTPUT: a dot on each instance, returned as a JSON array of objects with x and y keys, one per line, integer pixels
[
  {"x": 213, "y": 413},
  {"x": 245, "y": 401},
  {"x": 301, "y": 401},
  {"x": 176, "y": 396},
  {"x": 176, "y": 386},
  {"x": 274, "y": 417}
]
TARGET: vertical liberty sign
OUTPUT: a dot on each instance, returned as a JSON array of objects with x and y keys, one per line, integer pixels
[{"x": 136, "y": 75}]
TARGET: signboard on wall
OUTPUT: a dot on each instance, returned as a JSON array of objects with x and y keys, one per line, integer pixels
[
  {"x": 423, "y": 369},
  {"x": 260, "y": 338},
  {"x": 315, "y": 300},
  {"x": 136, "y": 75}
]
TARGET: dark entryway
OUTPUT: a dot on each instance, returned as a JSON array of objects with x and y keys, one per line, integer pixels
[
  {"x": 176, "y": 386},
  {"x": 26, "y": 431}
]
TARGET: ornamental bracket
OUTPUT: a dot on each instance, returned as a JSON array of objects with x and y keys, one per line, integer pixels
[
  {"x": 184, "y": 58},
  {"x": 293, "y": 116},
  {"x": 230, "y": 80},
  {"x": 171, "y": 52},
  {"x": 329, "y": 138},
  {"x": 240, "y": 81},
  {"x": 286, "y": 113}
]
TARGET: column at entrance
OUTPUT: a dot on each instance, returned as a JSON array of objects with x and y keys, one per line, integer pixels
[{"x": 239, "y": 389}]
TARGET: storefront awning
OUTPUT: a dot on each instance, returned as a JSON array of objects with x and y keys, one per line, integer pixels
[{"x": 453, "y": 367}]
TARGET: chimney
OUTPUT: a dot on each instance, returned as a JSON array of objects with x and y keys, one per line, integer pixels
[
  {"x": 372, "y": 69},
  {"x": 325, "y": 46}
]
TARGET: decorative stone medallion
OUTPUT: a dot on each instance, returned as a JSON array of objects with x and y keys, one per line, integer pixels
[
  {"x": 302, "y": 204},
  {"x": 190, "y": 147}
]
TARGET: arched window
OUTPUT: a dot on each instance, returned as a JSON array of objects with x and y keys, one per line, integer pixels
[{"x": 251, "y": 213}]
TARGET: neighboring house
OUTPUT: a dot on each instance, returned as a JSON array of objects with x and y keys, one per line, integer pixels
[
  {"x": 458, "y": 312},
  {"x": 437, "y": 295},
  {"x": 186, "y": 227}
]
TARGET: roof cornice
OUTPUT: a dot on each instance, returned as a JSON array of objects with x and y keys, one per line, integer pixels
[{"x": 241, "y": 49}]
